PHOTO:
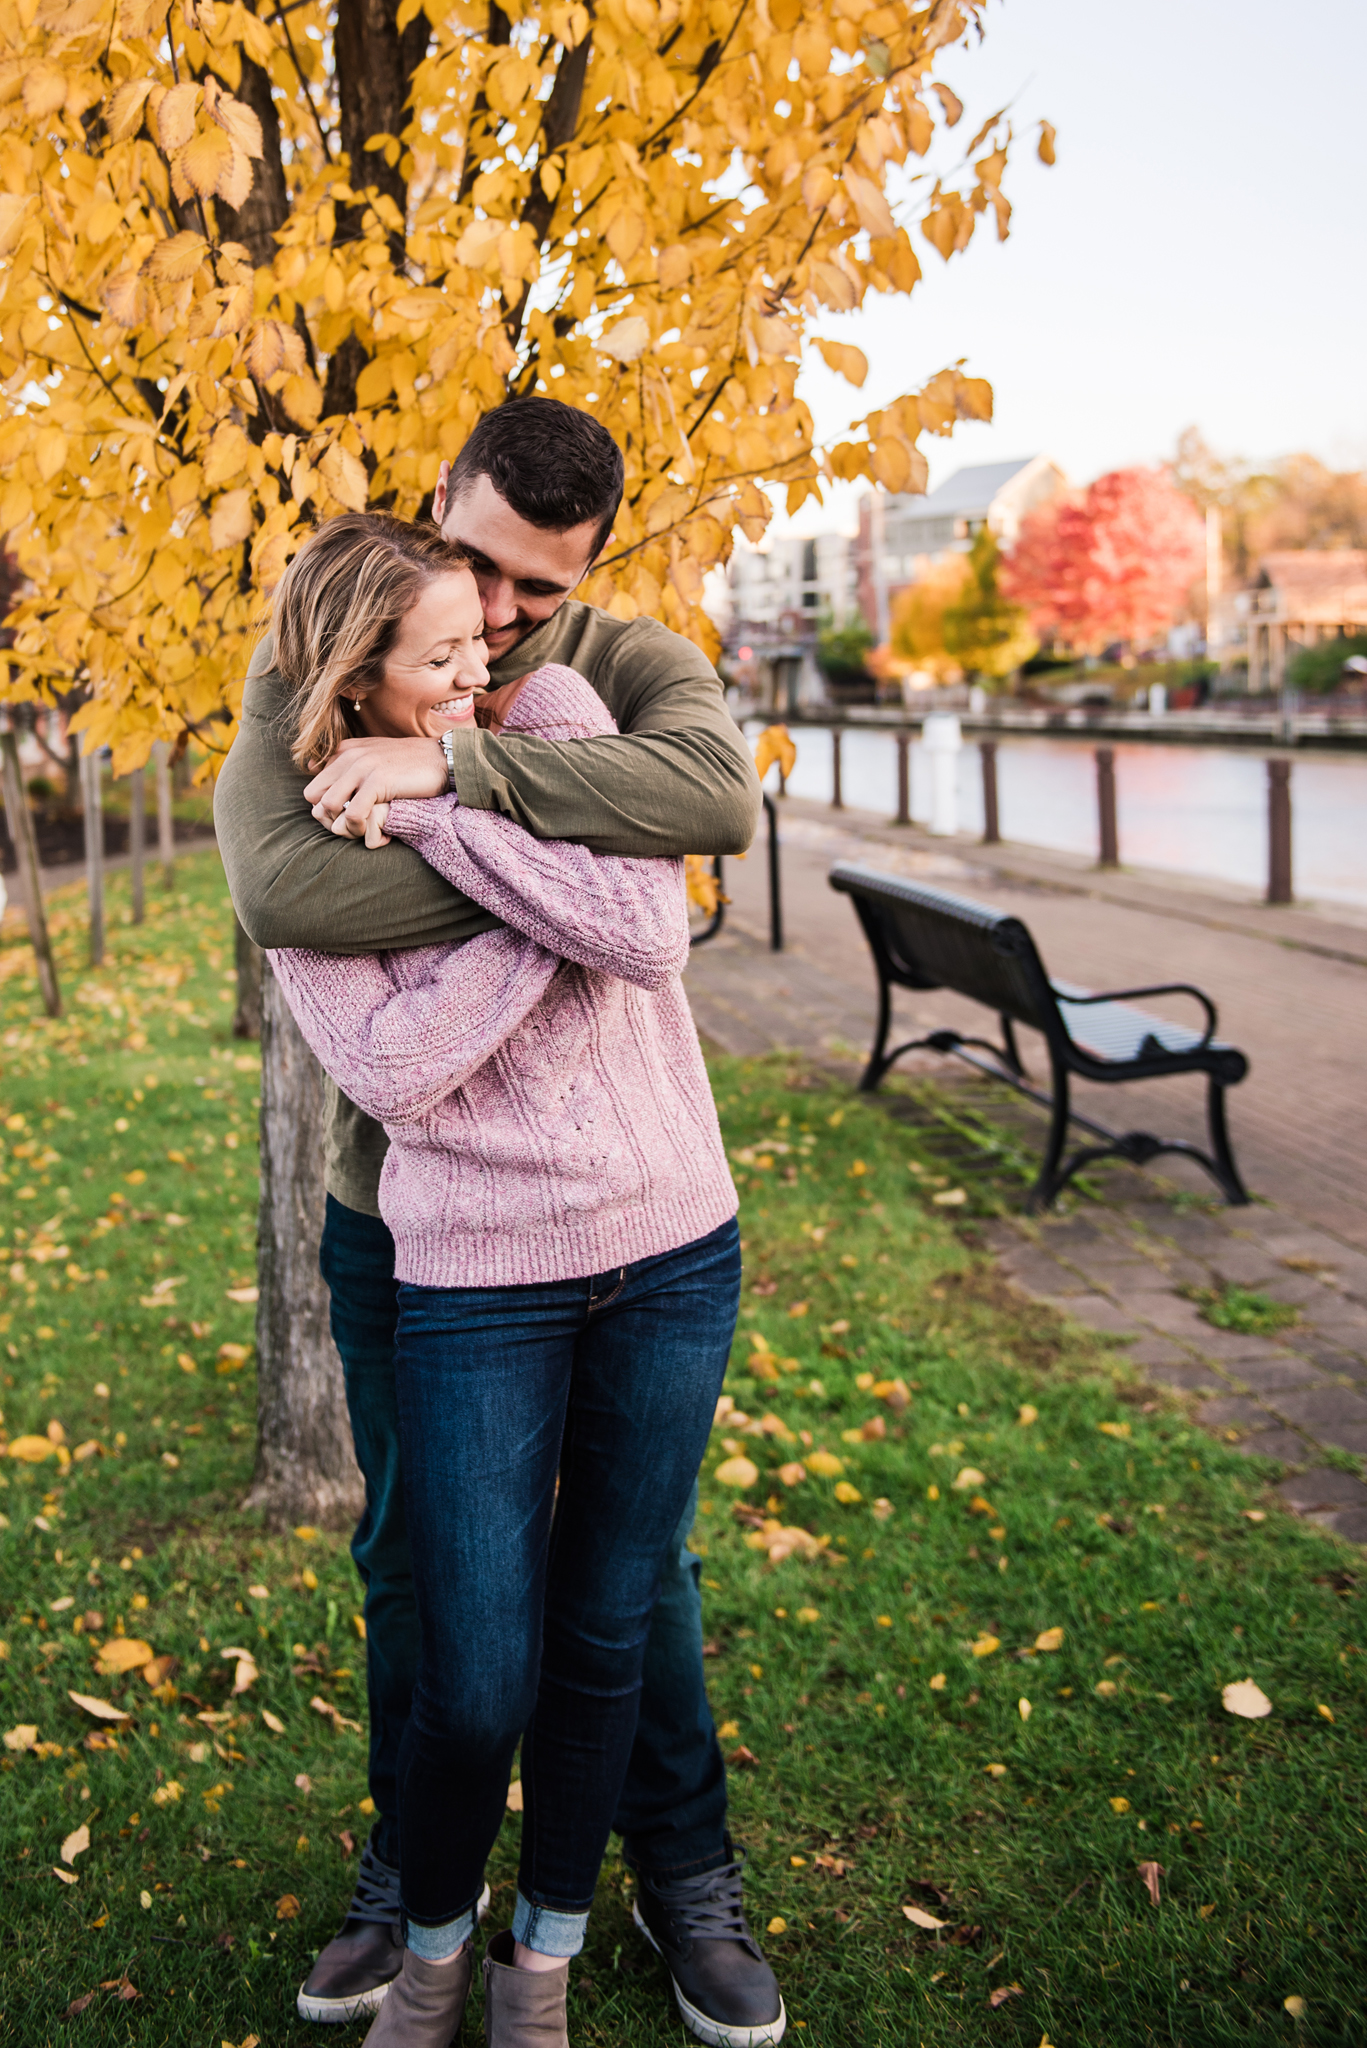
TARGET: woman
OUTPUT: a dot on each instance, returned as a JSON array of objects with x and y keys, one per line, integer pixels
[{"x": 566, "y": 1245}]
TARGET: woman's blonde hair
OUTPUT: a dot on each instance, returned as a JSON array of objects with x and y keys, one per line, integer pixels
[{"x": 337, "y": 612}]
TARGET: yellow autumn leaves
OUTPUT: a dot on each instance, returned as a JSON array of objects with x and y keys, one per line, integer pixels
[{"x": 215, "y": 327}]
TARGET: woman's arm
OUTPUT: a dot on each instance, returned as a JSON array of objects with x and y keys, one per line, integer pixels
[
  {"x": 398, "y": 1031},
  {"x": 623, "y": 917}
]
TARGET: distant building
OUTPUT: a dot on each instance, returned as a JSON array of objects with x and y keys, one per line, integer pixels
[
  {"x": 777, "y": 597},
  {"x": 812, "y": 578},
  {"x": 1299, "y": 596},
  {"x": 902, "y": 536}
]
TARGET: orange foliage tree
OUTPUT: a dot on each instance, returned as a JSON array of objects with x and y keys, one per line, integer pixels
[
  {"x": 1114, "y": 562},
  {"x": 259, "y": 266}
]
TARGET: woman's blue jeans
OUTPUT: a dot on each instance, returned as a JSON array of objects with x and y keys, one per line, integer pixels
[
  {"x": 551, "y": 1439},
  {"x": 673, "y": 1803}
]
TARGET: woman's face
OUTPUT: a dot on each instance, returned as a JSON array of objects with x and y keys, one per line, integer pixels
[{"x": 436, "y": 665}]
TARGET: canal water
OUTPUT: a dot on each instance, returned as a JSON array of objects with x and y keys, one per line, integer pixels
[{"x": 1197, "y": 810}]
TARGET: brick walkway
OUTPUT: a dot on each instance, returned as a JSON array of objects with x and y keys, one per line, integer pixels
[{"x": 1290, "y": 986}]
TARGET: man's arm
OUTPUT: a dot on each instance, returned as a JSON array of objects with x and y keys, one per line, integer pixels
[{"x": 678, "y": 779}]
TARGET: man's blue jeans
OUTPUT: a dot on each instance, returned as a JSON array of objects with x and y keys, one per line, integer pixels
[{"x": 672, "y": 1810}]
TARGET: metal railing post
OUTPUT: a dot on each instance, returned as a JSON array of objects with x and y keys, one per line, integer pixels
[
  {"x": 903, "y": 779},
  {"x": 1279, "y": 832},
  {"x": 775, "y": 880},
  {"x": 1109, "y": 856},
  {"x": 837, "y": 794},
  {"x": 991, "y": 824}
]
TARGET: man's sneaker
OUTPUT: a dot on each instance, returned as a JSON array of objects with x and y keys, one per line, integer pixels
[
  {"x": 356, "y": 1969},
  {"x": 726, "y": 1992}
]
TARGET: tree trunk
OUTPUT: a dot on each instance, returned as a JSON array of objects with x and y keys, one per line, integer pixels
[
  {"x": 305, "y": 1468},
  {"x": 248, "y": 960}
]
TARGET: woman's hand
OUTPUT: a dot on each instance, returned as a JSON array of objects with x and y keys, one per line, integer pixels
[{"x": 367, "y": 775}]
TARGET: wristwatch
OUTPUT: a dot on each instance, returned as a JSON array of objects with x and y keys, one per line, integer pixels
[{"x": 448, "y": 747}]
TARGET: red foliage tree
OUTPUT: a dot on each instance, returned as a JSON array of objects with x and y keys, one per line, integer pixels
[{"x": 1113, "y": 563}]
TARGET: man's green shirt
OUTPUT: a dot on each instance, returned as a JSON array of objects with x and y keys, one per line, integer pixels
[{"x": 676, "y": 779}]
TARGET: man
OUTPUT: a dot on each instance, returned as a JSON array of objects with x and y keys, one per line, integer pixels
[{"x": 531, "y": 498}]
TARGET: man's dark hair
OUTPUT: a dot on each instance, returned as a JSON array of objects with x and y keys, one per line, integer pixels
[{"x": 553, "y": 464}]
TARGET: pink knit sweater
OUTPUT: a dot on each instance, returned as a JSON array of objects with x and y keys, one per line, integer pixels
[{"x": 542, "y": 1087}]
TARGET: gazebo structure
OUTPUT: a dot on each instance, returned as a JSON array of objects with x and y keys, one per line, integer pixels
[{"x": 1300, "y": 596}]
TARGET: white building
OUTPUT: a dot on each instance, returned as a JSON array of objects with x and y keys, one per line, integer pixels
[{"x": 799, "y": 580}]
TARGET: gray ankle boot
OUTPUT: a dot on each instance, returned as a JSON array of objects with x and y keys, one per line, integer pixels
[
  {"x": 425, "y": 2004},
  {"x": 522, "y": 2008}
]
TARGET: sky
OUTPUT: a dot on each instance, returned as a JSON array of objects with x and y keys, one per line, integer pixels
[{"x": 1194, "y": 257}]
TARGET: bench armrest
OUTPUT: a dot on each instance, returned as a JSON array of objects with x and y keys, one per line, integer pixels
[{"x": 1166, "y": 988}]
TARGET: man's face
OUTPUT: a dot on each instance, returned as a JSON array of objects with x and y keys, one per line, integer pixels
[{"x": 524, "y": 572}]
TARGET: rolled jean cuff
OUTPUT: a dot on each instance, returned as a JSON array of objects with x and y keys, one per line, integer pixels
[
  {"x": 550, "y": 1934},
  {"x": 435, "y": 1944}
]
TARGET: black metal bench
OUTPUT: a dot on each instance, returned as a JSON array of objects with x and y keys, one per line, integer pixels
[{"x": 925, "y": 938}]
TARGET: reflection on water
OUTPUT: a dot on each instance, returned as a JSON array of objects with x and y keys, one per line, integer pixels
[{"x": 1196, "y": 810}]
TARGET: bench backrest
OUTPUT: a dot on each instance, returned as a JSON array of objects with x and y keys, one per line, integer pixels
[{"x": 931, "y": 938}]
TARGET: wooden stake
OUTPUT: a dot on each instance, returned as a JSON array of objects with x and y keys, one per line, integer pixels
[
  {"x": 91, "y": 784},
  {"x": 166, "y": 836},
  {"x": 20, "y": 820},
  {"x": 991, "y": 823},
  {"x": 137, "y": 838}
]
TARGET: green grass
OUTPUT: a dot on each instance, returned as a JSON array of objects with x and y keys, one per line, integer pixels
[
  {"x": 1119, "y": 1524},
  {"x": 1245, "y": 1311}
]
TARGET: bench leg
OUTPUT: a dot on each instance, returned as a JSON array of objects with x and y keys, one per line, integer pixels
[
  {"x": 1050, "y": 1180},
  {"x": 1227, "y": 1173},
  {"x": 1013, "y": 1057},
  {"x": 878, "y": 1064}
]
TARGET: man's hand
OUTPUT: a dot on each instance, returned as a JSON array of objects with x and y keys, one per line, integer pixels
[{"x": 351, "y": 792}]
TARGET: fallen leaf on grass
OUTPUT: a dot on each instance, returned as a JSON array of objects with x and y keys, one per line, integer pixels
[
  {"x": 836, "y": 1866},
  {"x": 1120, "y": 1806},
  {"x": 985, "y": 1645},
  {"x": 67, "y": 1876},
  {"x": 824, "y": 1464},
  {"x": 287, "y": 1908},
  {"x": 31, "y": 1450},
  {"x": 1024, "y": 1709},
  {"x": 1205, "y": 1911},
  {"x": 777, "y": 1925},
  {"x": 1254, "y": 1515},
  {"x": 124, "y": 1988},
  {"x": 75, "y": 1844},
  {"x": 792, "y": 1475},
  {"x": 968, "y": 1478},
  {"x": 513, "y": 1802},
  {"x": 1003, "y": 1992},
  {"x": 921, "y": 1919},
  {"x": 1295, "y": 2006},
  {"x": 742, "y": 1759},
  {"x": 123, "y": 1653},
  {"x": 1118, "y": 1429},
  {"x": 99, "y": 1710},
  {"x": 303, "y": 1783},
  {"x": 273, "y": 1722},
  {"x": 995, "y": 1770},
  {"x": 246, "y": 1295},
  {"x": 736, "y": 1472},
  {"x": 950, "y": 1198},
  {"x": 1150, "y": 1872},
  {"x": 21, "y": 1738},
  {"x": 1027, "y": 1415},
  {"x": 1247, "y": 1700},
  {"x": 937, "y": 1683},
  {"x": 331, "y": 1713},
  {"x": 78, "y": 2005},
  {"x": 168, "y": 1794},
  {"x": 846, "y": 1494}
]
